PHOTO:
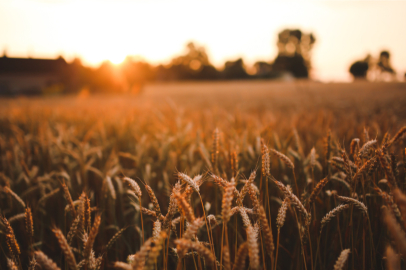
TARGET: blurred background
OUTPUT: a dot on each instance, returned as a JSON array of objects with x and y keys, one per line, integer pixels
[{"x": 58, "y": 46}]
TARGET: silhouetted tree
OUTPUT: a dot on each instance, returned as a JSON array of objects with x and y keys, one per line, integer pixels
[
  {"x": 294, "y": 49},
  {"x": 234, "y": 70},
  {"x": 194, "y": 65},
  {"x": 360, "y": 68},
  {"x": 136, "y": 73},
  {"x": 386, "y": 72}
]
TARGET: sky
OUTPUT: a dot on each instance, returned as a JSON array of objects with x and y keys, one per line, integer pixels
[{"x": 157, "y": 30}]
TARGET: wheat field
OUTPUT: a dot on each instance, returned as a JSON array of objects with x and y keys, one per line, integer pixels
[{"x": 228, "y": 175}]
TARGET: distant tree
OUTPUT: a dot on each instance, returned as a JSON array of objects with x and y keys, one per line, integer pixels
[
  {"x": 386, "y": 72},
  {"x": 234, "y": 70},
  {"x": 136, "y": 73},
  {"x": 193, "y": 65},
  {"x": 360, "y": 68},
  {"x": 376, "y": 69},
  {"x": 294, "y": 52}
]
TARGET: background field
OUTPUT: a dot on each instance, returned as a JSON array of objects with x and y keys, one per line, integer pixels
[{"x": 168, "y": 128}]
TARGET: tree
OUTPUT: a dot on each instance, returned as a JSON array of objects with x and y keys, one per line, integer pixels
[{"x": 294, "y": 52}]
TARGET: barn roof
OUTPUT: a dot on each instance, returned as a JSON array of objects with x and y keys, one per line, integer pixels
[{"x": 31, "y": 66}]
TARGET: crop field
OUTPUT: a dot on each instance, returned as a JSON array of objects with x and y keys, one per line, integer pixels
[{"x": 225, "y": 175}]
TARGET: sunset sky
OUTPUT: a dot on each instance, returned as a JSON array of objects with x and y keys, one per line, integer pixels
[{"x": 157, "y": 30}]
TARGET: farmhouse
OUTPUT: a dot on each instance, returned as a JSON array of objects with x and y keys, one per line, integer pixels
[{"x": 30, "y": 76}]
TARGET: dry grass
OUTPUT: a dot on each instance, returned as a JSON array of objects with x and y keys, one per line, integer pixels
[{"x": 160, "y": 181}]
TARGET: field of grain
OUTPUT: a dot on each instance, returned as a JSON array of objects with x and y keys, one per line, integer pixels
[{"x": 226, "y": 175}]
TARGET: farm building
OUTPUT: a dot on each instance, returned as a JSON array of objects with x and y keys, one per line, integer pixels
[{"x": 30, "y": 76}]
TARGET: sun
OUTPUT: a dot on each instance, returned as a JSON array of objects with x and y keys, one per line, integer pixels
[{"x": 116, "y": 57}]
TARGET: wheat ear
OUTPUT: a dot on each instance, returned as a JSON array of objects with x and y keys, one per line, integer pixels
[
  {"x": 193, "y": 227},
  {"x": 387, "y": 168},
  {"x": 67, "y": 251},
  {"x": 122, "y": 266},
  {"x": 226, "y": 258},
  {"x": 400, "y": 200},
  {"x": 189, "y": 181},
  {"x": 284, "y": 158},
  {"x": 365, "y": 148},
  {"x": 342, "y": 259},
  {"x": 215, "y": 148},
  {"x": 155, "y": 251},
  {"x": 92, "y": 237},
  {"x": 172, "y": 207},
  {"x": 280, "y": 219},
  {"x": 295, "y": 201},
  {"x": 68, "y": 198},
  {"x": 246, "y": 187},
  {"x": 115, "y": 237},
  {"x": 395, "y": 231},
  {"x": 45, "y": 262},
  {"x": 267, "y": 232},
  {"x": 392, "y": 259},
  {"x": 186, "y": 208},
  {"x": 29, "y": 225},
  {"x": 12, "y": 244},
  {"x": 357, "y": 203},
  {"x": 266, "y": 161},
  {"x": 317, "y": 190},
  {"x": 239, "y": 263},
  {"x": 330, "y": 215},
  {"x": 139, "y": 258},
  {"x": 154, "y": 200},
  {"x": 14, "y": 195},
  {"x": 185, "y": 244},
  {"x": 367, "y": 165},
  {"x": 73, "y": 229},
  {"x": 133, "y": 186},
  {"x": 11, "y": 265},
  {"x": 398, "y": 135},
  {"x": 253, "y": 249},
  {"x": 227, "y": 200}
]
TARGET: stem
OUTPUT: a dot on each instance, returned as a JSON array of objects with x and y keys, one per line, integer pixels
[
  {"x": 221, "y": 252},
  {"x": 142, "y": 223},
  {"x": 310, "y": 244},
  {"x": 277, "y": 249},
  {"x": 318, "y": 251},
  {"x": 207, "y": 228}
]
